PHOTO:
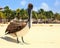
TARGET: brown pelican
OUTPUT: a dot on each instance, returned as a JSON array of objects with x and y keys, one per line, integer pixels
[
  {"x": 19, "y": 28},
  {"x": 14, "y": 28}
]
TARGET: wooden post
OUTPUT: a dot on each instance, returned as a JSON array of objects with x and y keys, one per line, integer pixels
[{"x": 30, "y": 7}]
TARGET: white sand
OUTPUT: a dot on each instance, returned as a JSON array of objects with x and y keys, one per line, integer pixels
[{"x": 39, "y": 36}]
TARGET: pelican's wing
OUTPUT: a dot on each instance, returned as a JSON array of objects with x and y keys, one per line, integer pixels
[
  {"x": 21, "y": 32},
  {"x": 14, "y": 27}
]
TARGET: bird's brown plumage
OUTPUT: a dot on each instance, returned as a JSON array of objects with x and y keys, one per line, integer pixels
[{"x": 15, "y": 26}]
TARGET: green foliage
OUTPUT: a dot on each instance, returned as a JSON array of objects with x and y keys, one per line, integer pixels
[
  {"x": 2, "y": 15},
  {"x": 23, "y": 14},
  {"x": 10, "y": 14},
  {"x": 34, "y": 15},
  {"x": 57, "y": 16},
  {"x": 49, "y": 14},
  {"x": 18, "y": 13}
]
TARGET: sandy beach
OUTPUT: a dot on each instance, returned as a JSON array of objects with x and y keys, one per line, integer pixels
[{"x": 39, "y": 36}]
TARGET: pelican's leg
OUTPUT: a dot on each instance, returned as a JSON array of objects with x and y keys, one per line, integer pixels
[
  {"x": 23, "y": 40},
  {"x": 17, "y": 38}
]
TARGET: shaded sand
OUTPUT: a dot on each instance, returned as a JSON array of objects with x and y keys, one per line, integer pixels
[{"x": 39, "y": 36}]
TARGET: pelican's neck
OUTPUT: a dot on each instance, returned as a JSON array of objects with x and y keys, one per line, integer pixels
[{"x": 30, "y": 19}]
